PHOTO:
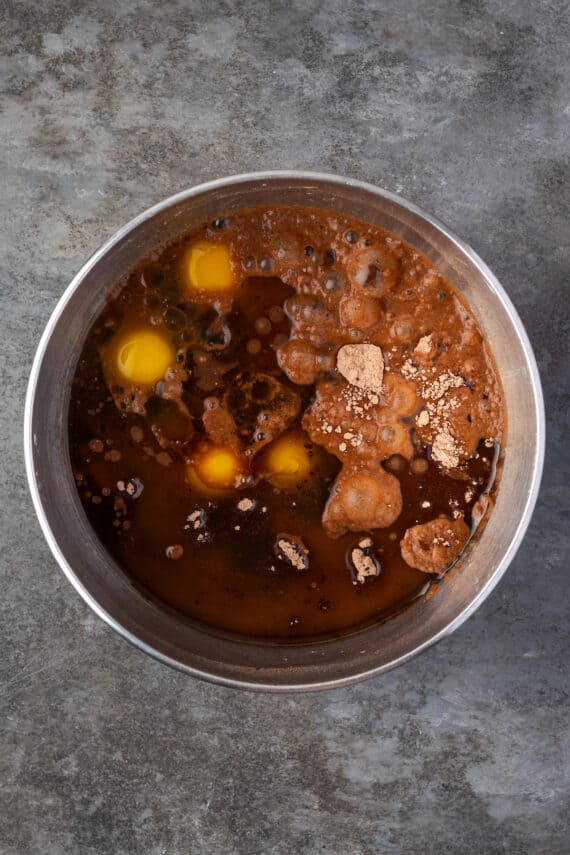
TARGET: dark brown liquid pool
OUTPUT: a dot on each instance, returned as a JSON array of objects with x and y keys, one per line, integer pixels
[{"x": 286, "y": 423}]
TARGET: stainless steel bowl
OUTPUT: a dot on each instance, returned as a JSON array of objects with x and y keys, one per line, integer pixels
[{"x": 232, "y": 660}]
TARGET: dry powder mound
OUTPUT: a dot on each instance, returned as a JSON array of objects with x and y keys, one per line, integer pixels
[
  {"x": 290, "y": 548},
  {"x": 362, "y": 365},
  {"x": 424, "y": 345},
  {"x": 246, "y": 505},
  {"x": 364, "y": 561},
  {"x": 445, "y": 451}
]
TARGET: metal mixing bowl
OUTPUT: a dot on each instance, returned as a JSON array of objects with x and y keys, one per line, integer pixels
[{"x": 233, "y": 660}]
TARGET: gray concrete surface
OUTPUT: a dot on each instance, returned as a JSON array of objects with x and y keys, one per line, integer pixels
[{"x": 463, "y": 108}]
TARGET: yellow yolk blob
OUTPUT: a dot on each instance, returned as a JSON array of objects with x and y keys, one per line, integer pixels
[
  {"x": 286, "y": 461},
  {"x": 142, "y": 357},
  {"x": 214, "y": 470},
  {"x": 209, "y": 267}
]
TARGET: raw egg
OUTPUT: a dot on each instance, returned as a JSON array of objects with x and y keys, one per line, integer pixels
[
  {"x": 140, "y": 357},
  {"x": 214, "y": 469},
  {"x": 286, "y": 461},
  {"x": 209, "y": 267}
]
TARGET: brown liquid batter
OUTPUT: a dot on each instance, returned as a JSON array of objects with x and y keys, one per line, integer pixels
[{"x": 394, "y": 469}]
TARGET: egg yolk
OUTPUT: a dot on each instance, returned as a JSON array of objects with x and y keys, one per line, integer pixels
[
  {"x": 209, "y": 267},
  {"x": 143, "y": 356},
  {"x": 215, "y": 469},
  {"x": 286, "y": 461}
]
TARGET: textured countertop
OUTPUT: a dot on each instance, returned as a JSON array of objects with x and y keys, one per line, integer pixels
[{"x": 462, "y": 108}]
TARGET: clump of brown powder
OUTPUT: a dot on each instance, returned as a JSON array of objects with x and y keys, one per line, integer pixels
[
  {"x": 364, "y": 561},
  {"x": 196, "y": 520},
  {"x": 445, "y": 449},
  {"x": 245, "y": 505},
  {"x": 424, "y": 345},
  {"x": 362, "y": 365},
  {"x": 290, "y": 548},
  {"x": 435, "y": 390},
  {"x": 133, "y": 487}
]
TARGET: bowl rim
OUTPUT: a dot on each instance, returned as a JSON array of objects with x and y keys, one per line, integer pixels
[{"x": 261, "y": 177}]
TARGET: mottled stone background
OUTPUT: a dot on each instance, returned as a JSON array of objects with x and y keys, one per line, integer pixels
[{"x": 110, "y": 106}]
